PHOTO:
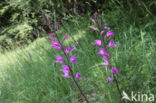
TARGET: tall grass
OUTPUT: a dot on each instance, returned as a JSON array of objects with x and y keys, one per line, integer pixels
[{"x": 28, "y": 75}]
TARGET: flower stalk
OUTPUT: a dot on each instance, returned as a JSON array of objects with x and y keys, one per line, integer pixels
[
  {"x": 67, "y": 69},
  {"x": 71, "y": 71},
  {"x": 104, "y": 51}
]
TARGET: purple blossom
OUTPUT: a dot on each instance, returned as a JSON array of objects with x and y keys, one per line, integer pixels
[
  {"x": 51, "y": 38},
  {"x": 104, "y": 52},
  {"x": 73, "y": 59},
  {"x": 109, "y": 79},
  {"x": 93, "y": 28},
  {"x": 101, "y": 52},
  {"x": 65, "y": 70},
  {"x": 92, "y": 20},
  {"x": 102, "y": 32},
  {"x": 67, "y": 49},
  {"x": 74, "y": 48},
  {"x": 106, "y": 63},
  {"x": 59, "y": 59},
  {"x": 106, "y": 55},
  {"x": 51, "y": 34},
  {"x": 56, "y": 45},
  {"x": 97, "y": 42},
  {"x": 114, "y": 71},
  {"x": 106, "y": 27},
  {"x": 111, "y": 44},
  {"x": 78, "y": 75},
  {"x": 110, "y": 33},
  {"x": 66, "y": 36}
]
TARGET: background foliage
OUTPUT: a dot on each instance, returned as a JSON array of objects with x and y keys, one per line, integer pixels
[
  {"x": 21, "y": 21},
  {"x": 28, "y": 75}
]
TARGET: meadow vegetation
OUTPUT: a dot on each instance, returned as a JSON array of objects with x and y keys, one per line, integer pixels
[{"x": 28, "y": 73}]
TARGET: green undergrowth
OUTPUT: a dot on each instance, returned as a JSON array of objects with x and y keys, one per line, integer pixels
[{"x": 29, "y": 74}]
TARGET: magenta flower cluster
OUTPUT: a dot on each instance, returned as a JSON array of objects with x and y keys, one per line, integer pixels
[
  {"x": 57, "y": 45},
  {"x": 105, "y": 33}
]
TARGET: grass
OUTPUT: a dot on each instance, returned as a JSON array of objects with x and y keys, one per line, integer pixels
[{"x": 29, "y": 75}]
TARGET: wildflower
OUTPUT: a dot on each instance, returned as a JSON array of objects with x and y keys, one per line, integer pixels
[
  {"x": 104, "y": 52},
  {"x": 65, "y": 70},
  {"x": 73, "y": 59},
  {"x": 106, "y": 27},
  {"x": 51, "y": 34},
  {"x": 106, "y": 63},
  {"x": 74, "y": 48},
  {"x": 106, "y": 55},
  {"x": 109, "y": 79},
  {"x": 102, "y": 32},
  {"x": 67, "y": 49},
  {"x": 92, "y": 20},
  {"x": 110, "y": 33},
  {"x": 59, "y": 59},
  {"x": 56, "y": 45},
  {"x": 66, "y": 36},
  {"x": 101, "y": 52},
  {"x": 51, "y": 38},
  {"x": 98, "y": 42},
  {"x": 78, "y": 75},
  {"x": 93, "y": 28},
  {"x": 111, "y": 44},
  {"x": 66, "y": 67},
  {"x": 114, "y": 71},
  {"x": 57, "y": 27}
]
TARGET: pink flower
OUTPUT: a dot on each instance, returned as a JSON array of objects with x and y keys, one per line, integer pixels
[
  {"x": 66, "y": 36},
  {"x": 59, "y": 59},
  {"x": 56, "y": 45},
  {"x": 106, "y": 27},
  {"x": 73, "y": 59},
  {"x": 103, "y": 52},
  {"x": 93, "y": 28},
  {"x": 57, "y": 27},
  {"x": 67, "y": 49},
  {"x": 78, "y": 75},
  {"x": 65, "y": 70},
  {"x": 92, "y": 20},
  {"x": 114, "y": 71},
  {"x": 51, "y": 34},
  {"x": 106, "y": 55},
  {"x": 109, "y": 79},
  {"x": 74, "y": 48},
  {"x": 106, "y": 63},
  {"x": 51, "y": 38},
  {"x": 109, "y": 34},
  {"x": 111, "y": 44},
  {"x": 102, "y": 32},
  {"x": 97, "y": 42}
]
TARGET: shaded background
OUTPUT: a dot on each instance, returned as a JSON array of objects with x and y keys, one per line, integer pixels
[{"x": 22, "y": 21}]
